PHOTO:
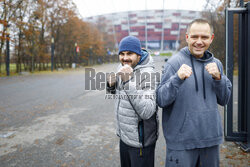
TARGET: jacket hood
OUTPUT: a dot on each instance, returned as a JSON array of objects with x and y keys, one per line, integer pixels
[
  {"x": 208, "y": 56},
  {"x": 146, "y": 61}
]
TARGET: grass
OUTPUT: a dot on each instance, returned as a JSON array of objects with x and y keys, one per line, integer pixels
[
  {"x": 163, "y": 54},
  {"x": 36, "y": 71},
  {"x": 166, "y": 54},
  {"x": 12, "y": 67}
]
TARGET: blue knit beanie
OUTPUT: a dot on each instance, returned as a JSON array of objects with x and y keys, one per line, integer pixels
[{"x": 130, "y": 43}]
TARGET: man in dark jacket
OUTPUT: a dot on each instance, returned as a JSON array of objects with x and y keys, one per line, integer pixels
[
  {"x": 192, "y": 86},
  {"x": 135, "y": 105}
]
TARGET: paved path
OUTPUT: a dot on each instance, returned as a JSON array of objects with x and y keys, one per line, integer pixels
[{"x": 50, "y": 120}]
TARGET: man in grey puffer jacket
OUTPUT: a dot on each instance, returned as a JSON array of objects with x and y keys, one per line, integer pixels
[{"x": 135, "y": 107}]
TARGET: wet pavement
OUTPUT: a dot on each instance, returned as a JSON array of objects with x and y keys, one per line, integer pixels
[{"x": 50, "y": 120}]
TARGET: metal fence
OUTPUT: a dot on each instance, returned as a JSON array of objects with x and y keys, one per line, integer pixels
[{"x": 242, "y": 134}]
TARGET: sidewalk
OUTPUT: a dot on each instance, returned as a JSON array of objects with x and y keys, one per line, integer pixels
[{"x": 232, "y": 156}]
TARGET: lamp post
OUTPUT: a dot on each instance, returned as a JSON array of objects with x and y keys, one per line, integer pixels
[
  {"x": 76, "y": 53},
  {"x": 90, "y": 55},
  {"x": 8, "y": 51},
  {"x": 52, "y": 54}
]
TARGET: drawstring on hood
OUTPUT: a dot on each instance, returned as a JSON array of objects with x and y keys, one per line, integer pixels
[
  {"x": 195, "y": 78},
  {"x": 203, "y": 76},
  {"x": 203, "y": 80}
]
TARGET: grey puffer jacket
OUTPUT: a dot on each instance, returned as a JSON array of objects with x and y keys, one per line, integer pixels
[{"x": 141, "y": 107}]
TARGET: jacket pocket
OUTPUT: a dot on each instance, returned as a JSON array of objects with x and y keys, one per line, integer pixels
[{"x": 200, "y": 126}]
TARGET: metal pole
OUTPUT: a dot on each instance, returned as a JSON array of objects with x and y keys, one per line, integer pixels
[
  {"x": 90, "y": 55},
  {"x": 248, "y": 79},
  {"x": 52, "y": 54},
  {"x": 162, "y": 31},
  {"x": 229, "y": 71},
  {"x": 129, "y": 33},
  {"x": 76, "y": 54},
  {"x": 246, "y": 20},
  {"x": 114, "y": 33},
  {"x": 128, "y": 23},
  {"x": 76, "y": 57},
  {"x": 146, "y": 28},
  {"x": 8, "y": 52}
]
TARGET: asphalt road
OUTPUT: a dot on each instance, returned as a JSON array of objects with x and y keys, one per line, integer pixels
[{"x": 49, "y": 119}]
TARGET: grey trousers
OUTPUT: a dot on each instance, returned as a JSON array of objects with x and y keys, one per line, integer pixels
[{"x": 199, "y": 157}]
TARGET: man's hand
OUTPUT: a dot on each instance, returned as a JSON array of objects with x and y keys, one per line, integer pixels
[
  {"x": 213, "y": 70},
  {"x": 111, "y": 79},
  {"x": 125, "y": 72},
  {"x": 184, "y": 72}
]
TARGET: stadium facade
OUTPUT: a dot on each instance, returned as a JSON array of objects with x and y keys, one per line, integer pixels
[{"x": 157, "y": 29}]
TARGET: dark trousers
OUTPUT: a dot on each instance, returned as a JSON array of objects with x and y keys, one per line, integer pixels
[
  {"x": 132, "y": 157},
  {"x": 199, "y": 157}
]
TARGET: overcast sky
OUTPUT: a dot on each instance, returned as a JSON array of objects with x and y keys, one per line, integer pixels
[{"x": 97, "y": 7}]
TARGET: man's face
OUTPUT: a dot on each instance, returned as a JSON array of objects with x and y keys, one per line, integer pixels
[
  {"x": 129, "y": 58},
  {"x": 199, "y": 39}
]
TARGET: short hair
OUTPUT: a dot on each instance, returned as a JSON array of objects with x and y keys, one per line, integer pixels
[{"x": 200, "y": 21}]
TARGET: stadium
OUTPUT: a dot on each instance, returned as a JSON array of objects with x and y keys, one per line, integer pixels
[{"x": 157, "y": 29}]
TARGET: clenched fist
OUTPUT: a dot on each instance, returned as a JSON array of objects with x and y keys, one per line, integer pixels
[
  {"x": 184, "y": 71},
  {"x": 111, "y": 79},
  {"x": 213, "y": 70},
  {"x": 125, "y": 72}
]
